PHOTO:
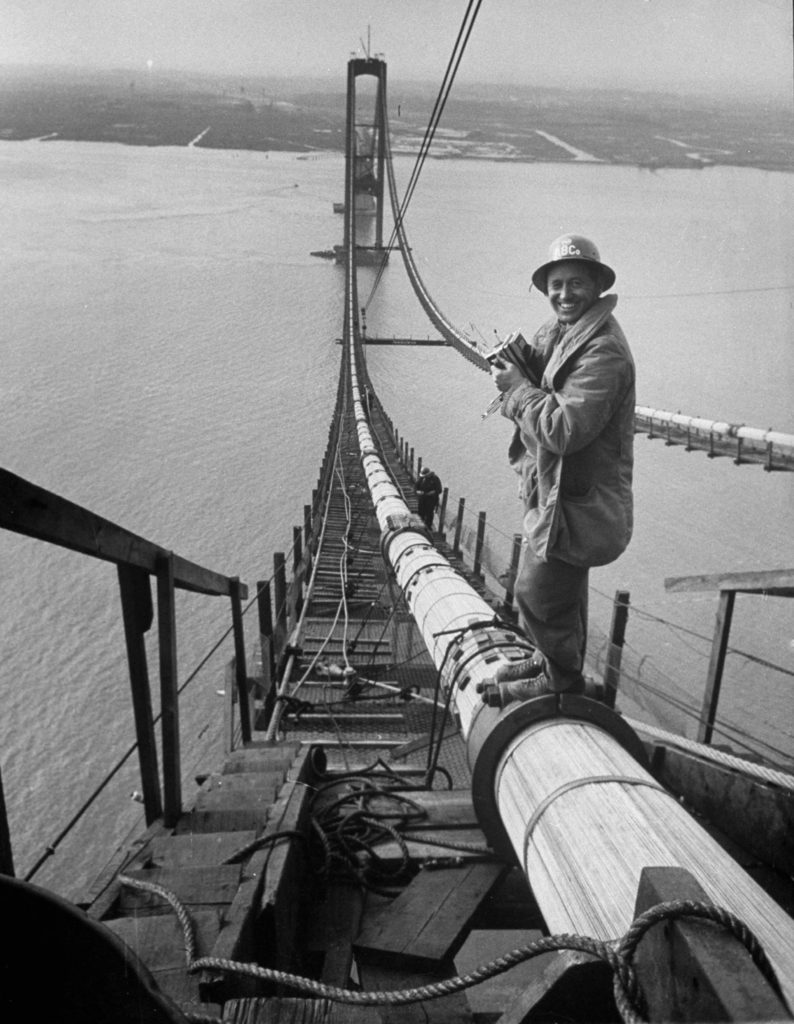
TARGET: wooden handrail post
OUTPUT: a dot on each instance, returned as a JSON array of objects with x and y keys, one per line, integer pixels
[
  {"x": 137, "y": 614},
  {"x": 297, "y": 567},
  {"x": 169, "y": 691},
  {"x": 442, "y": 512},
  {"x": 280, "y": 600},
  {"x": 719, "y": 649},
  {"x": 266, "y": 642},
  {"x": 411, "y": 465},
  {"x": 307, "y": 537},
  {"x": 459, "y": 526},
  {"x": 297, "y": 549},
  {"x": 512, "y": 573},
  {"x": 617, "y": 636},
  {"x": 479, "y": 545},
  {"x": 240, "y": 668}
]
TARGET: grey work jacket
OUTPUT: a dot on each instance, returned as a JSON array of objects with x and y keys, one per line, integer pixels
[{"x": 574, "y": 441}]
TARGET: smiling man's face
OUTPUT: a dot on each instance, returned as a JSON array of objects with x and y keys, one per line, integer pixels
[{"x": 572, "y": 289}]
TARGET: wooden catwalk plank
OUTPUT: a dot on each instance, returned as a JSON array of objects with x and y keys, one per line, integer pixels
[{"x": 426, "y": 924}]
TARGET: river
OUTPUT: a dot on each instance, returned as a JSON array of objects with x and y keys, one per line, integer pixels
[{"x": 169, "y": 358}]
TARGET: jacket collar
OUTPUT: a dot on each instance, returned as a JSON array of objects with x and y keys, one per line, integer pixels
[{"x": 586, "y": 327}]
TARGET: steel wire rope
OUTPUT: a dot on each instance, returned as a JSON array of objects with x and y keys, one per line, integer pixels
[
  {"x": 676, "y": 627},
  {"x": 430, "y": 130},
  {"x": 726, "y": 730}
]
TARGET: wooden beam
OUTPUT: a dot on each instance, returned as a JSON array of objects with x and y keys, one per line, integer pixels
[
  {"x": 169, "y": 691},
  {"x": 569, "y": 986},
  {"x": 695, "y": 970},
  {"x": 452, "y": 1009},
  {"x": 512, "y": 574},
  {"x": 292, "y": 1010},
  {"x": 280, "y": 602},
  {"x": 477, "y": 568},
  {"x": 757, "y": 815},
  {"x": 136, "y": 606},
  {"x": 778, "y": 582},
  {"x": 426, "y": 924},
  {"x": 36, "y": 512},
  {"x": 240, "y": 667},
  {"x": 617, "y": 636},
  {"x": 719, "y": 649}
]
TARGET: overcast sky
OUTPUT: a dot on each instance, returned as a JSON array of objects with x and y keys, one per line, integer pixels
[{"x": 739, "y": 46}]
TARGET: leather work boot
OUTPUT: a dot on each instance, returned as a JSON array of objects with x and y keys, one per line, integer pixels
[
  {"x": 518, "y": 689},
  {"x": 499, "y": 694},
  {"x": 529, "y": 668},
  {"x": 514, "y": 680}
]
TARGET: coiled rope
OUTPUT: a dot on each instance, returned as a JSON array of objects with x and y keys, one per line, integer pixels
[{"x": 619, "y": 956}]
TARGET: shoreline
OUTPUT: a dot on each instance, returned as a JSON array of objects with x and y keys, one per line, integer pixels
[
  {"x": 480, "y": 156},
  {"x": 542, "y": 125}
]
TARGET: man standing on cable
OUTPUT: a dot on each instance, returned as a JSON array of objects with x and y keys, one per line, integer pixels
[
  {"x": 572, "y": 402},
  {"x": 428, "y": 489}
]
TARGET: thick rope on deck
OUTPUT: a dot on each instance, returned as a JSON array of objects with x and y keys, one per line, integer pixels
[{"x": 619, "y": 956}]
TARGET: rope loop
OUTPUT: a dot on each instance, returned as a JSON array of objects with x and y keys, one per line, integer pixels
[{"x": 675, "y": 909}]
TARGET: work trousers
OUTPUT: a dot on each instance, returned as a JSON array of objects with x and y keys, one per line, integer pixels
[
  {"x": 552, "y": 601},
  {"x": 427, "y": 507}
]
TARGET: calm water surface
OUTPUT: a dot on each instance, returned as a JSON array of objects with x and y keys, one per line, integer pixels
[{"x": 169, "y": 355}]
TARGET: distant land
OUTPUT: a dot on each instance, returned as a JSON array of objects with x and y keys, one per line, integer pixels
[{"x": 644, "y": 129}]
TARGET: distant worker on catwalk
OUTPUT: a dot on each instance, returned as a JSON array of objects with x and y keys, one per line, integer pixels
[
  {"x": 428, "y": 489},
  {"x": 571, "y": 394}
]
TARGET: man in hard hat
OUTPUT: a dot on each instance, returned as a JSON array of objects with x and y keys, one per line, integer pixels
[
  {"x": 572, "y": 402},
  {"x": 428, "y": 489}
]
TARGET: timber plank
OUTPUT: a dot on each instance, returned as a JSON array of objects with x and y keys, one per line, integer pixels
[
  {"x": 229, "y": 803},
  {"x": 425, "y": 848},
  {"x": 453, "y": 1009},
  {"x": 488, "y": 998},
  {"x": 569, "y": 986},
  {"x": 264, "y": 871},
  {"x": 158, "y": 940},
  {"x": 241, "y": 788},
  {"x": 756, "y": 814},
  {"x": 426, "y": 924},
  {"x": 691, "y": 969},
  {"x": 277, "y": 1010},
  {"x": 338, "y": 919},
  {"x": 99, "y": 899},
  {"x": 453, "y": 807},
  {"x": 203, "y": 849},
  {"x": 159, "y": 943},
  {"x": 769, "y": 581},
  {"x": 261, "y": 759},
  {"x": 202, "y": 886},
  {"x": 50, "y": 517}
]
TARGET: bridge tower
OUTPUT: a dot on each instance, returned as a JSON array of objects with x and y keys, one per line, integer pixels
[{"x": 365, "y": 154}]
